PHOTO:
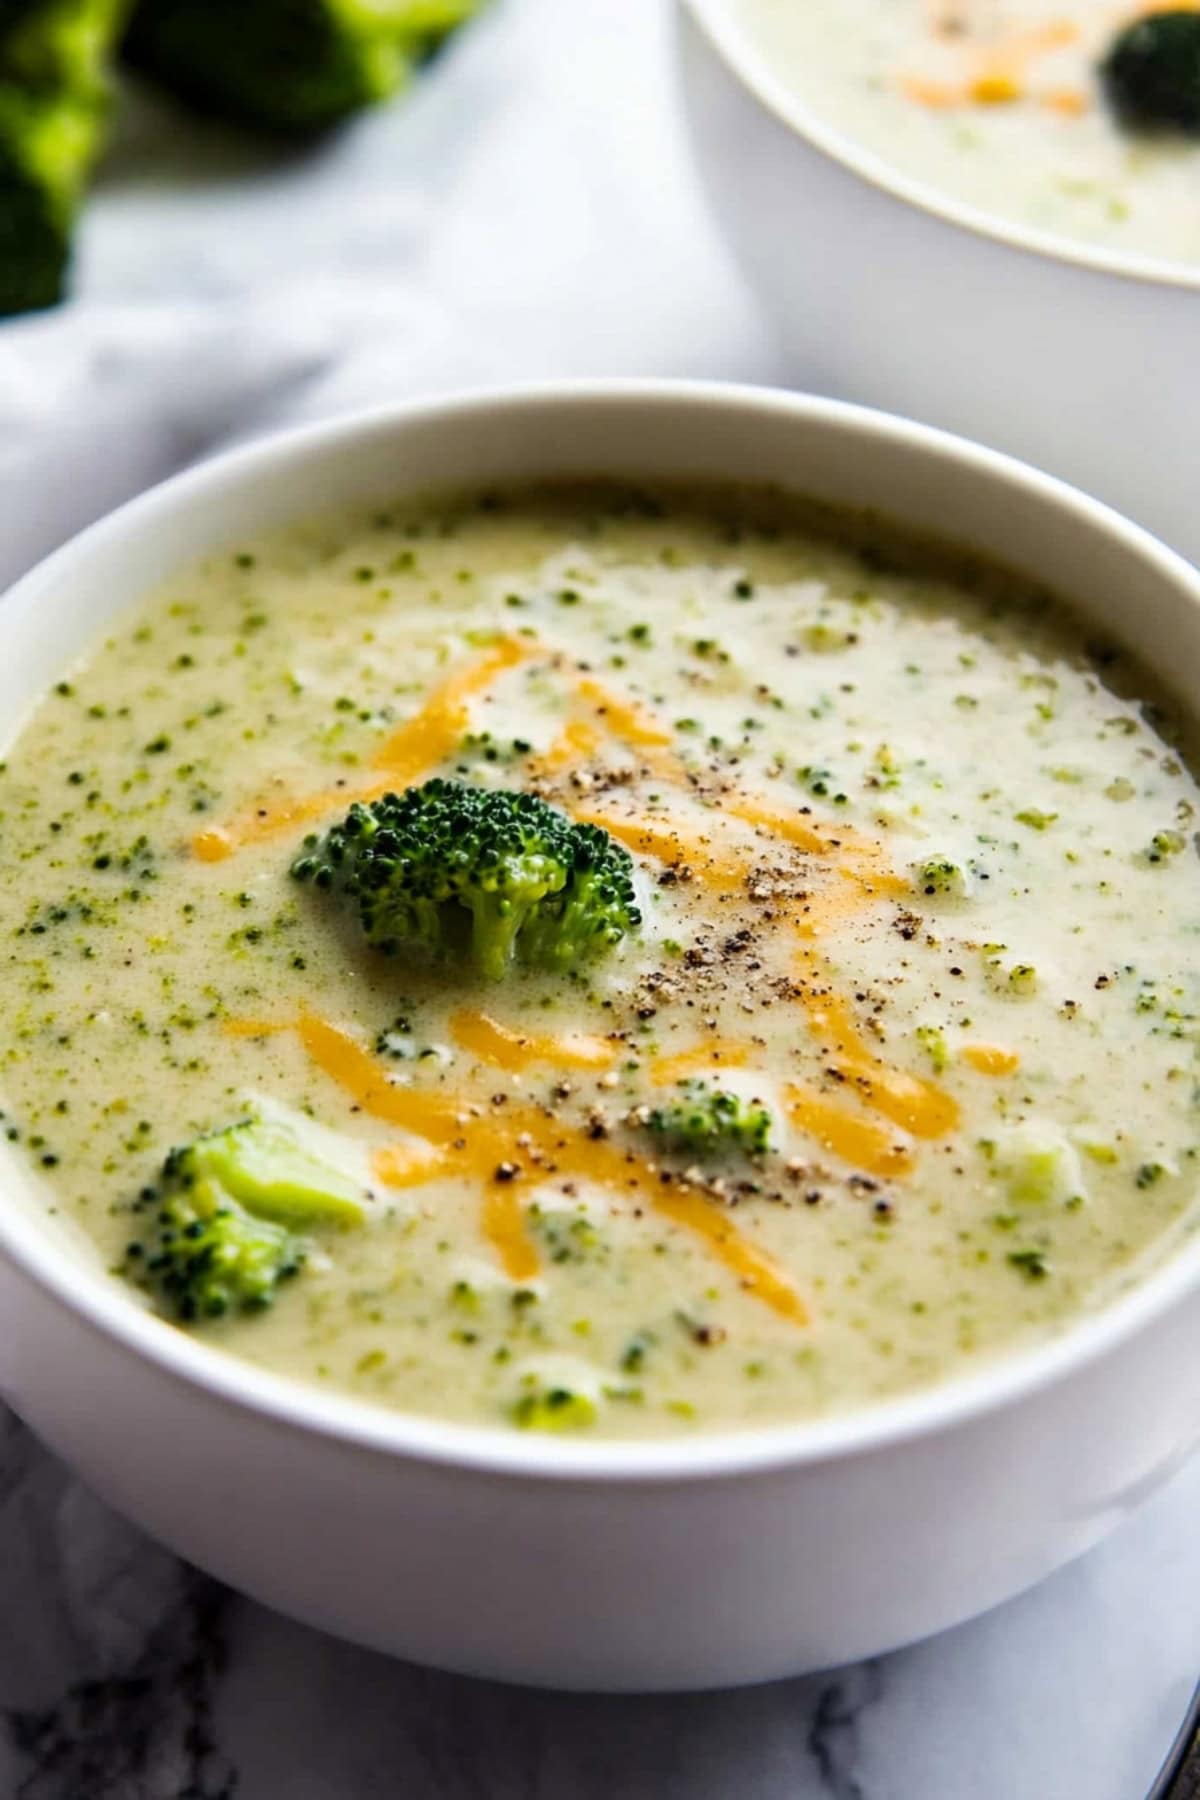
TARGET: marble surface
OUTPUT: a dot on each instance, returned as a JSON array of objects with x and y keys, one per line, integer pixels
[{"x": 528, "y": 212}]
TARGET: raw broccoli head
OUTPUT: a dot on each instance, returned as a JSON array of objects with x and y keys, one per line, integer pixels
[
  {"x": 482, "y": 876},
  {"x": 53, "y": 111},
  {"x": 60, "y": 45},
  {"x": 290, "y": 66},
  {"x": 1152, "y": 72},
  {"x": 710, "y": 1123},
  {"x": 46, "y": 150},
  {"x": 228, "y": 1209}
]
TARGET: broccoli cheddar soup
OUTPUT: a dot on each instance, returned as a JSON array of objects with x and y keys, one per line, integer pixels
[
  {"x": 1073, "y": 117},
  {"x": 614, "y": 962}
]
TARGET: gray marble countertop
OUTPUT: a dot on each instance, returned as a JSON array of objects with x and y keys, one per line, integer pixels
[
  {"x": 126, "y": 1676},
  {"x": 528, "y": 212}
]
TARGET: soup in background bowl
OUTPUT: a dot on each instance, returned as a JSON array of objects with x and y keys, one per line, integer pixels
[
  {"x": 664, "y": 1003},
  {"x": 935, "y": 227},
  {"x": 1028, "y": 111}
]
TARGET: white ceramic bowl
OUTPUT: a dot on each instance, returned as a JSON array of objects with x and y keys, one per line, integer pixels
[
  {"x": 732, "y": 1558},
  {"x": 886, "y": 291}
]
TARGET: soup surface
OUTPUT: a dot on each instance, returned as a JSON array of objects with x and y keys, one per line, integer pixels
[
  {"x": 998, "y": 102},
  {"x": 917, "y": 876}
]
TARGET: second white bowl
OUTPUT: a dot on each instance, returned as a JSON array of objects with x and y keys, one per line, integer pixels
[{"x": 1082, "y": 362}]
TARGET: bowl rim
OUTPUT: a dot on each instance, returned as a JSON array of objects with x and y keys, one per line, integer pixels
[
  {"x": 91, "y": 1293},
  {"x": 751, "y": 67}
]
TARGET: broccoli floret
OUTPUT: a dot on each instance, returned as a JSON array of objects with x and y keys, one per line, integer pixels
[
  {"x": 49, "y": 45},
  {"x": 53, "y": 112},
  {"x": 205, "y": 1263},
  {"x": 709, "y": 1122},
  {"x": 289, "y": 66},
  {"x": 229, "y": 1210},
  {"x": 1152, "y": 72},
  {"x": 479, "y": 876},
  {"x": 46, "y": 149}
]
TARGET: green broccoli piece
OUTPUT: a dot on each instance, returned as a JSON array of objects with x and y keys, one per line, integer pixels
[
  {"x": 485, "y": 877},
  {"x": 54, "y": 105},
  {"x": 46, "y": 150},
  {"x": 229, "y": 1208},
  {"x": 1163, "y": 846},
  {"x": 287, "y": 66},
  {"x": 48, "y": 45},
  {"x": 942, "y": 878},
  {"x": 708, "y": 1122},
  {"x": 554, "y": 1409},
  {"x": 1152, "y": 72},
  {"x": 204, "y": 1264}
]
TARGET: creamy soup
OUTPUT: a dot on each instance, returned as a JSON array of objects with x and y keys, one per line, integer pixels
[
  {"x": 915, "y": 868},
  {"x": 997, "y": 102}
]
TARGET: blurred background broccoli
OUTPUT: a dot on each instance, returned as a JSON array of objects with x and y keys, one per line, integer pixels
[
  {"x": 286, "y": 65},
  {"x": 289, "y": 67},
  {"x": 54, "y": 101}
]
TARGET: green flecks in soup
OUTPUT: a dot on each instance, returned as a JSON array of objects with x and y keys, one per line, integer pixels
[{"x": 777, "y": 988}]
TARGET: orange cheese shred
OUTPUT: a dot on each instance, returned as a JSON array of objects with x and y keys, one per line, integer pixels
[
  {"x": 634, "y": 724},
  {"x": 608, "y": 1165},
  {"x": 505, "y": 1230},
  {"x": 781, "y": 823},
  {"x": 753, "y": 1268},
  {"x": 716, "y": 867},
  {"x": 578, "y": 740},
  {"x": 407, "y": 1165},
  {"x": 354, "y": 1069},
  {"x": 706, "y": 1059},
  {"x": 452, "y": 1141},
  {"x": 918, "y": 1106},
  {"x": 256, "y": 1027},
  {"x": 857, "y": 1140},
  {"x": 434, "y": 731},
  {"x": 499, "y": 1044},
  {"x": 416, "y": 746},
  {"x": 990, "y": 1059},
  {"x": 1071, "y": 102},
  {"x": 994, "y": 74}
]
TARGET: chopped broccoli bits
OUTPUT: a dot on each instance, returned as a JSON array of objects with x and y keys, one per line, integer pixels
[
  {"x": 942, "y": 878},
  {"x": 289, "y": 66},
  {"x": 554, "y": 1409},
  {"x": 477, "y": 877}
]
